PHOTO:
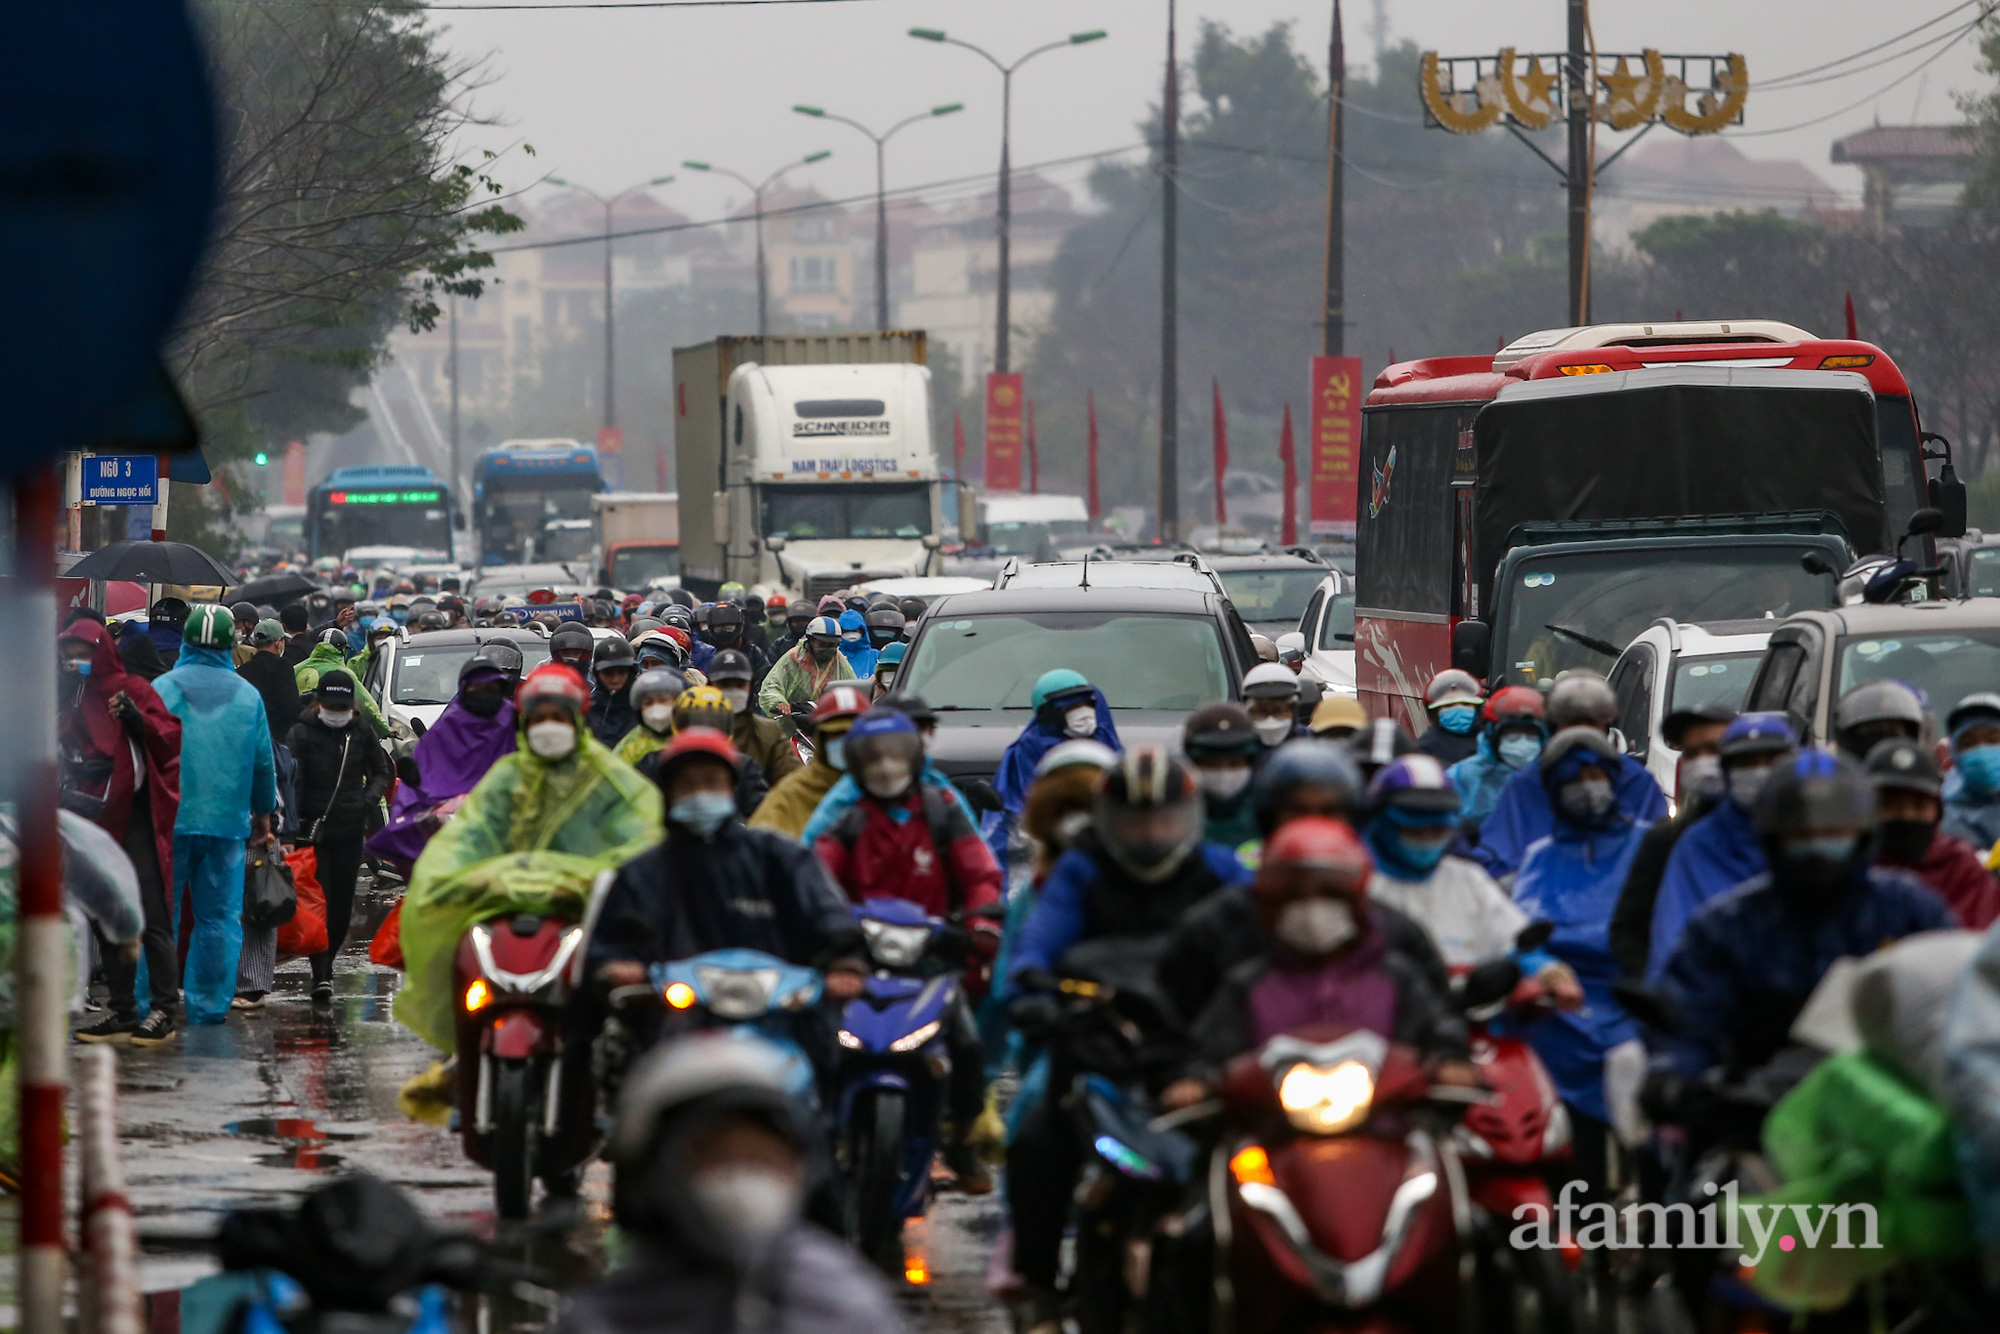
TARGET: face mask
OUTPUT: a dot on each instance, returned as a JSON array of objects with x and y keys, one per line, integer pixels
[
  {"x": 822, "y": 653},
  {"x": 1421, "y": 852},
  {"x": 722, "y": 634},
  {"x": 885, "y": 681},
  {"x": 850, "y": 636},
  {"x": 552, "y": 740},
  {"x": 739, "y": 700},
  {"x": 1979, "y": 766},
  {"x": 1223, "y": 784},
  {"x": 702, "y": 813},
  {"x": 1587, "y": 800},
  {"x": 1457, "y": 718},
  {"x": 1745, "y": 782},
  {"x": 1070, "y": 826},
  {"x": 1271, "y": 731},
  {"x": 750, "y": 1206},
  {"x": 482, "y": 703},
  {"x": 886, "y": 778},
  {"x": 836, "y": 753},
  {"x": 1701, "y": 774},
  {"x": 1904, "y": 841},
  {"x": 659, "y": 717},
  {"x": 77, "y": 667},
  {"x": 1519, "y": 750},
  {"x": 400, "y": 616},
  {"x": 1081, "y": 720},
  {"x": 336, "y": 717},
  {"x": 1315, "y": 927}
]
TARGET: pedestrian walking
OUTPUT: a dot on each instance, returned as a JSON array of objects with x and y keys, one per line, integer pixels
[{"x": 342, "y": 774}]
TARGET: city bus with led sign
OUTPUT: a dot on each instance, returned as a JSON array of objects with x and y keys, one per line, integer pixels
[{"x": 380, "y": 505}]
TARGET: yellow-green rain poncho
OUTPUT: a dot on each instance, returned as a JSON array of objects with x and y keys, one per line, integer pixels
[{"x": 529, "y": 839}]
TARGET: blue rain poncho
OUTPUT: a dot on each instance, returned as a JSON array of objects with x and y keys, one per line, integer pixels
[
  {"x": 226, "y": 767},
  {"x": 1718, "y": 852}
]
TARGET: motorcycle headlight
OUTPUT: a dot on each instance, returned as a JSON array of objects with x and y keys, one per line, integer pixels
[
  {"x": 912, "y": 1041},
  {"x": 1325, "y": 1100},
  {"x": 848, "y": 1040},
  {"x": 738, "y": 996},
  {"x": 895, "y": 946}
]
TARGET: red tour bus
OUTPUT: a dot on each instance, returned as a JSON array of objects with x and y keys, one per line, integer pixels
[{"x": 1580, "y": 483}]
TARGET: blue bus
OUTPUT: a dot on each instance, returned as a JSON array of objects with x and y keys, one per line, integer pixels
[
  {"x": 532, "y": 501},
  {"x": 380, "y": 506}
]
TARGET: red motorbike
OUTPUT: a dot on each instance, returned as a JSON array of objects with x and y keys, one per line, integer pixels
[{"x": 526, "y": 1104}]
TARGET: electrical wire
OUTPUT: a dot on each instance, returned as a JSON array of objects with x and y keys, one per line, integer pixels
[
  {"x": 398, "y": 6},
  {"x": 1900, "y": 79},
  {"x": 1869, "y": 50},
  {"x": 1948, "y": 37}
]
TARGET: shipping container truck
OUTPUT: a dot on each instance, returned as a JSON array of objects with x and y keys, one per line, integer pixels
[
  {"x": 639, "y": 539},
  {"x": 807, "y": 461}
]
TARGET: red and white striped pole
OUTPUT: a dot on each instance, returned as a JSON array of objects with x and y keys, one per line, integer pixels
[{"x": 42, "y": 959}]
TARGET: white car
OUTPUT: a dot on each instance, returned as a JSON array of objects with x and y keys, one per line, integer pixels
[
  {"x": 1674, "y": 665},
  {"x": 1328, "y": 627},
  {"x": 925, "y": 586},
  {"x": 416, "y": 680}
]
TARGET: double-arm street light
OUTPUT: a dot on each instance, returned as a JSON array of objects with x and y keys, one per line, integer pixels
[
  {"x": 881, "y": 192},
  {"x": 610, "y": 323},
  {"x": 1004, "y": 218},
  {"x": 757, "y": 195}
]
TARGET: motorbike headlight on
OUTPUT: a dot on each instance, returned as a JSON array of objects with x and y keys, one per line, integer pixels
[
  {"x": 478, "y": 996},
  {"x": 1325, "y": 1100},
  {"x": 738, "y": 995},
  {"x": 849, "y": 1041},
  {"x": 912, "y": 1041},
  {"x": 679, "y": 995},
  {"x": 895, "y": 946}
]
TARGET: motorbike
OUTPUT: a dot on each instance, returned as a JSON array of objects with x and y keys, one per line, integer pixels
[
  {"x": 744, "y": 992},
  {"x": 526, "y": 1106}
]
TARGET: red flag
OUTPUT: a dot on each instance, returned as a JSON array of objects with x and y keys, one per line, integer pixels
[
  {"x": 1034, "y": 455},
  {"x": 1288, "y": 527},
  {"x": 1850, "y": 317},
  {"x": 1090, "y": 403},
  {"x": 1221, "y": 454},
  {"x": 958, "y": 446}
]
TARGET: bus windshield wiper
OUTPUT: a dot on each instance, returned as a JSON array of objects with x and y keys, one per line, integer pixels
[{"x": 1590, "y": 642}]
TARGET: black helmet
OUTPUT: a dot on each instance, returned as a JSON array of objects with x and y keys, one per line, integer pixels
[
  {"x": 885, "y": 624},
  {"x": 912, "y": 707},
  {"x": 730, "y": 664},
  {"x": 569, "y": 637},
  {"x": 433, "y": 620},
  {"x": 504, "y": 654},
  {"x": 1378, "y": 742},
  {"x": 640, "y": 625},
  {"x": 1902, "y": 763},
  {"x": 1149, "y": 813},
  {"x": 1814, "y": 792},
  {"x": 1306, "y": 762},
  {"x": 912, "y": 609},
  {"x": 334, "y": 636},
  {"x": 616, "y": 651},
  {"x": 1870, "y": 714},
  {"x": 1222, "y": 728},
  {"x": 243, "y": 611}
]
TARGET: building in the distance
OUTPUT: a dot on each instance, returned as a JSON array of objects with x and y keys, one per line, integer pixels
[
  {"x": 1912, "y": 175},
  {"x": 1700, "y": 175}
]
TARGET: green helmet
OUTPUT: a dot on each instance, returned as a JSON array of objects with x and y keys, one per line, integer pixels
[
  {"x": 1059, "y": 681},
  {"x": 210, "y": 626}
]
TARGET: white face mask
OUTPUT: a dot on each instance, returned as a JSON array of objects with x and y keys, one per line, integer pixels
[
  {"x": 1271, "y": 731},
  {"x": 1224, "y": 783},
  {"x": 336, "y": 717},
  {"x": 1081, "y": 720},
  {"x": 886, "y": 778},
  {"x": 1700, "y": 773},
  {"x": 750, "y": 1206},
  {"x": 1746, "y": 781},
  {"x": 659, "y": 717},
  {"x": 739, "y": 700},
  {"x": 552, "y": 740},
  {"x": 1315, "y": 927}
]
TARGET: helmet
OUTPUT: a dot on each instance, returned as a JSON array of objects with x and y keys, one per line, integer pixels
[
  {"x": 913, "y": 707},
  {"x": 703, "y": 706},
  {"x": 485, "y": 660},
  {"x": 1757, "y": 734},
  {"x": 616, "y": 651},
  {"x": 490, "y": 606},
  {"x": 912, "y": 609},
  {"x": 1222, "y": 728},
  {"x": 823, "y": 627},
  {"x": 1902, "y": 763},
  {"x": 1513, "y": 705},
  {"x": 1306, "y": 763},
  {"x": 1581, "y": 697},
  {"x": 884, "y": 623},
  {"x": 334, "y": 636},
  {"x": 1574, "y": 746},
  {"x": 730, "y": 664},
  {"x": 1983, "y": 707},
  {"x": 798, "y": 613},
  {"x": 640, "y": 625},
  {"x": 432, "y": 620},
  {"x": 731, "y": 592},
  {"x": 1068, "y": 754},
  {"x": 675, "y": 614},
  {"x": 1414, "y": 783},
  {"x": 1056, "y": 682},
  {"x": 572, "y": 638},
  {"x": 1317, "y": 843},
  {"x": 1381, "y": 741},
  {"x": 1873, "y": 712},
  {"x": 211, "y": 626},
  {"x": 831, "y": 606},
  {"x": 1452, "y": 686},
  {"x": 1674, "y": 727},
  {"x": 1336, "y": 710},
  {"x": 1814, "y": 791},
  {"x": 843, "y": 700},
  {"x": 1270, "y": 680},
  {"x": 725, "y": 615},
  {"x": 552, "y": 680},
  {"x": 675, "y": 1092},
  {"x": 884, "y": 753},
  {"x": 658, "y": 683},
  {"x": 504, "y": 654},
  {"x": 892, "y": 655},
  {"x": 243, "y": 611},
  {"x": 1148, "y": 813},
  {"x": 657, "y": 648}
]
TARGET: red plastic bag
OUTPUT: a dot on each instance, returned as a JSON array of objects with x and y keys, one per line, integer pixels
[
  {"x": 387, "y": 947},
  {"x": 306, "y": 932}
]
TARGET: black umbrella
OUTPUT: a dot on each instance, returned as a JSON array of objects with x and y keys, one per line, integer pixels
[
  {"x": 152, "y": 563},
  {"x": 277, "y": 588}
]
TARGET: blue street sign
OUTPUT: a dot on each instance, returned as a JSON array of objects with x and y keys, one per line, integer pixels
[{"x": 121, "y": 479}]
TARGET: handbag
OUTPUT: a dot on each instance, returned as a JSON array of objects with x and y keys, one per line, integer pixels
[{"x": 269, "y": 898}]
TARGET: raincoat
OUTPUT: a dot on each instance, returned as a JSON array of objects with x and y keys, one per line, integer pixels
[
  {"x": 792, "y": 802},
  {"x": 846, "y": 792},
  {"x": 1956, "y": 873},
  {"x": 1717, "y": 853},
  {"x": 797, "y": 679},
  {"x": 1972, "y": 1084},
  {"x": 860, "y": 654},
  {"x": 1523, "y": 814},
  {"x": 451, "y": 758},
  {"x": 88, "y": 731},
  {"x": 1017, "y": 770},
  {"x": 1969, "y": 816},
  {"x": 530, "y": 838},
  {"x": 326, "y": 657},
  {"x": 1480, "y": 778}
]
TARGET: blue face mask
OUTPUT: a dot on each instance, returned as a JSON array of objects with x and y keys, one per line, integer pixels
[
  {"x": 1826, "y": 847},
  {"x": 1422, "y": 856},
  {"x": 1519, "y": 750},
  {"x": 1980, "y": 767},
  {"x": 401, "y": 615},
  {"x": 703, "y": 813},
  {"x": 1457, "y": 718},
  {"x": 836, "y": 752},
  {"x": 81, "y": 667}
]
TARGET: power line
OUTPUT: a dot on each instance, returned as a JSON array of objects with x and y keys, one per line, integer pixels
[
  {"x": 396, "y": 6},
  {"x": 1949, "y": 37},
  {"x": 1871, "y": 50},
  {"x": 1902, "y": 78}
]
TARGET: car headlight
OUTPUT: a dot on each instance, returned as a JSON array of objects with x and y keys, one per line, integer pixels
[
  {"x": 895, "y": 946},
  {"x": 1325, "y": 1100},
  {"x": 738, "y": 996},
  {"x": 912, "y": 1041}
]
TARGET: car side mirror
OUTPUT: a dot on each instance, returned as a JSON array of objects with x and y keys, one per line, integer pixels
[
  {"x": 1471, "y": 647},
  {"x": 774, "y": 544},
  {"x": 932, "y": 541}
]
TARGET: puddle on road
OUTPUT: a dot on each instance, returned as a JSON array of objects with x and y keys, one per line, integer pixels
[{"x": 304, "y": 1142}]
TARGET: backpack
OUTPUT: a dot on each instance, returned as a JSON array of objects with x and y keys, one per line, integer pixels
[{"x": 937, "y": 818}]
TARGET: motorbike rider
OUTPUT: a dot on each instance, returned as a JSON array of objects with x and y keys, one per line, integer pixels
[
  {"x": 1271, "y": 694},
  {"x": 611, "y": 712},
  {"x": 1221, "y": 741},
  {"x": 1908, "y": 804},
  {"x": 1511, "y": 734},
  {"x": 760, "y": 740},
  {"x": 885, "y": 624},
  {"x": 712, "y": 1164},
  {"x": 726, "y": 632},
  {"x": 798, "y": 615},
  {"x": 680, "y": 616},
  {"x": 1874, "y": 712},
  {"x": 803, "y": 673},
  {"x": 450, "y": 758},
  {"x": 1337, "y": 717},
  {"x": 854, "y": 645},
  {"x": 1452, "y": 700},
  {"x": 704, "y": 706},
  {"x": 847, "y": 791},
  {"x": 888, "y": 662},
  {"x": 572, "y": 644},
  {"x": 653, "y": 696},
  {"x": 1523, "y": 815},
  {"x": 1067, "y": 708},
  {"x": 1697, "y": 735},
  {"x": 1972, "y": 793},
  {"x": 797, "y": 796}
]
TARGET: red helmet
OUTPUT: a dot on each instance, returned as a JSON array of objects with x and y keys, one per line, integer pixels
[
  {"x": 552, "y": 680},
  {"x": 1317, "y": 843},
  {"x": 1513, "y": 704},
  {"x": 845, "y": 700}
]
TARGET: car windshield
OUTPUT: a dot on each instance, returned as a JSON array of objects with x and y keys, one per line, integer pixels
[
  {"x": 1581, "y": 608},
  {"x": 1139, "y": 660},
  {"x": 1337, "y": 630},
  {"x": 636, "y": 568},
  {"x": 1271, "y": 595},
  {"x": 1982, "y": 574},
  {"x": 1722, "y": 679},
  {"x": 1945, "y": 666},
  {"x": 429, "y": 675},
  {"x": 1025, "y": 538},
  {"x": 802, "y": 513}
]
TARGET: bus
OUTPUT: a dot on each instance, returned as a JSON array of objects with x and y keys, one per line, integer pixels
[
  {"x": 380, "y": 505},
  {"x": 532, "y": 501},
  {"x": 1530, "y": 512}
]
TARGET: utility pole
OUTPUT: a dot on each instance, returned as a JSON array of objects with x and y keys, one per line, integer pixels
[
  {"x": 1170, "y": 390},
  {"x": 757, "y": 197},
  {"x": 1580, "y": 165},
  {"x": 610, "y": 332},
  {"x": 1334, "y": 311},
  {"x": 452, "y": 371}
]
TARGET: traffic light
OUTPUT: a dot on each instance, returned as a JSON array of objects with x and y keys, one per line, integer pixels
[{"x": 262, "y": 458}]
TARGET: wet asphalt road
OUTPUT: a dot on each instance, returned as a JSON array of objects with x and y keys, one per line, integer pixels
[{"x": 260, "y": 1109}]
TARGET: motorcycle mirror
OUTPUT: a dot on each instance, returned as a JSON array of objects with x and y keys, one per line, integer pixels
[
  {"x": 1533, "y": 936},
  {"x": 1489, "y": 984},
  {"x": 1646, "y": 1005}
]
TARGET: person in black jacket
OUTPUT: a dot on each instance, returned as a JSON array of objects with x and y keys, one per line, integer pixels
[
  {"x": 298, "y": 638},
  {"x": 274, "y": 681},
  {"x": 611, "y": 714},
  {"x": 1697, "y": 734},
  {"x": 342, "y": 773}
]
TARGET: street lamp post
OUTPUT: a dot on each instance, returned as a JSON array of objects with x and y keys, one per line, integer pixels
[
  {"x": 610, "y": 321},
  {"x": 1003, "y": 220},
  {"x": 881, "y": 193},
  {"x": 757, "y": 197}
]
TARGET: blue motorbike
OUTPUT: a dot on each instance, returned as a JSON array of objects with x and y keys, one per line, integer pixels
[
  {"x": 745, "y": 992},
  {"x": 893, "y": 1072}
]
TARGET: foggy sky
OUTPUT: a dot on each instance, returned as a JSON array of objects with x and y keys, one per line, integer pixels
[{"x": 609, "y": 100}]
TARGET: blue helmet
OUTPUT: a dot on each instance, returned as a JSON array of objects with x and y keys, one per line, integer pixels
[
  {"x": 1758, "y": 734},
  {"x": 1058, "y": 681},
  {"x": 892, "y": 655},
  {"x": 1306, "y": 762}
]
